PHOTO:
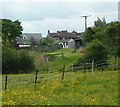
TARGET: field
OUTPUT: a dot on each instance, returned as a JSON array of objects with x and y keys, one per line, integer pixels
[{"x": 77, "y": 88}]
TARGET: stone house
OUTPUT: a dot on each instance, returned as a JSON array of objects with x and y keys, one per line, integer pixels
[
  {"x": 24, "y": 40},
  {"x": 67, "y": 39}
]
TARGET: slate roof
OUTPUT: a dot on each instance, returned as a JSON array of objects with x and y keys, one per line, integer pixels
[
  {"x": 36, "y": 36},
  {"x": 64, "y": 34},
  {"x": 28, "y": 36}
]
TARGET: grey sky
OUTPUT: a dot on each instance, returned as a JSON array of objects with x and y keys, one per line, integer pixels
[{"x": 41, "y": 16}]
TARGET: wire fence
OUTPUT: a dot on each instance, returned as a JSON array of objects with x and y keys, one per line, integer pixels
[{"x": 83, "y": 67}]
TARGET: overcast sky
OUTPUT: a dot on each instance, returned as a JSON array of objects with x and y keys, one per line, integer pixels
[{"x": 43, "y": 15}]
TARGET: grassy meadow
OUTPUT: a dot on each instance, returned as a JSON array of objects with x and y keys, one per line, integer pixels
[
  {"x": 70, "y": 57},
  {"x": 77, "y": 88}
]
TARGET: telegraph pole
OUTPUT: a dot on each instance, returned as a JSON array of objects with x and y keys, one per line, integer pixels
[{"x": 85, "y": 20}]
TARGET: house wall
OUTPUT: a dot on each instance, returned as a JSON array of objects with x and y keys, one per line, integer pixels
[
  {"x": 71, "y": 44},
  {"x": 78, "y": 43},
  {"x": 56, "y": 38}
]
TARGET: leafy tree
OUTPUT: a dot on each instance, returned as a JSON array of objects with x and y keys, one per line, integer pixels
[
  {"x": 10, "y": 30},
  {"x": 88, "y": 35},
  {"x": 73, "y": 31},
  {"x": 95, "y": 32},
  {"x": 96, "y": 51},
  {"x": 100, "y": 23},
  {"x": 112, "y": 39},
  {"x": 33, "y": 43},
  {"x": 46, "y": 41}
]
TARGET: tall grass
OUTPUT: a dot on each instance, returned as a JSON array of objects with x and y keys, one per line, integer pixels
[{"x": 76, "y": 89}]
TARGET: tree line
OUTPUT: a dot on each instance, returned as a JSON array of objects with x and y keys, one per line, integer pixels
[{"x": 101, "y": 41}]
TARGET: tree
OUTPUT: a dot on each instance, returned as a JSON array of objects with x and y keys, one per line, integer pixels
[
  {"x": 33, "y": 43},
  {"x": 46, "y": 41},
  {"x": 100, "y": 23},
  {"x": 88, "y": 35},
  {"x": 95, "y": 32},
  {"x": 10, "y": 30},
  {"x": 65, "y": 31},
  {"x": 96, "y": 51},
  {"x": 73, "y": 31},
  {"x": 112, "y": 39}
]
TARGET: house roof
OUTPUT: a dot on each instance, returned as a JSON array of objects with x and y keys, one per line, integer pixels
[
  {"x": 36, "y": 36},
  {"x": 64, "y": 34},
  {"x": 28, "y": 36}
]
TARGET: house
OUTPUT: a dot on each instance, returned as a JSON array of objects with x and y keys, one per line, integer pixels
[
  {"x": 64, "y": 35},
  {"x": 67, "y": 39},
  {"x": 66, "y": 43},
  {"x": 24, "y": 40}
]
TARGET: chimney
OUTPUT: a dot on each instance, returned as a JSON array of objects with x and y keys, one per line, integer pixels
[{"x": 48, "y": 31}]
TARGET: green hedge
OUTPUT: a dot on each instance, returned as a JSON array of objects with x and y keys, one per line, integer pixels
[{"x": 14, "y": 61}]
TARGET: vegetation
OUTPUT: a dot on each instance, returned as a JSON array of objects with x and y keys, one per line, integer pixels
[
  {"x": 108, "y": 34},
  {"x": 56, "y": 62},
  {"x": 46, "y": 41},
  {"x": 76, "y": 89},
  {"x": 10, "y": 30},
  {"x": 95, "y": 51},
  {"x": 16, "y": 61}
]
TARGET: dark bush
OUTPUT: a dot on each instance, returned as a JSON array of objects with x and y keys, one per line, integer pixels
[
  {"x": 16, "y": 61},
  {"x": 95, "y": 51},
  {"x": 26, "y": 62}
]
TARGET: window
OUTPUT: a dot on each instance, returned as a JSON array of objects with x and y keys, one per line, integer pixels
[{"x": 24, "y": 37}]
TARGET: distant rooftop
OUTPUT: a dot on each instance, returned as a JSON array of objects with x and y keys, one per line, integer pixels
[
  {"x": 25, "y": 38},
  {"x": 65, "y": 34}
]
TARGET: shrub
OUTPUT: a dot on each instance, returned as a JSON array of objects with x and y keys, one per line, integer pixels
[
  {"x": 16, "y": 61},
  {"x": 9, "y": 61},
  {"x": 95, "y": 51},
  {"x": 26, "y": 62}
]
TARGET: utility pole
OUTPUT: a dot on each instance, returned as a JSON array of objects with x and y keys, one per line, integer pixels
[{"x": 86, "y": 20}]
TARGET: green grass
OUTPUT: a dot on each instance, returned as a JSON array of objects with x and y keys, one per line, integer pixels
[
  {"x": 76, "y": 89},
  {"x": 70, "y": 57}
]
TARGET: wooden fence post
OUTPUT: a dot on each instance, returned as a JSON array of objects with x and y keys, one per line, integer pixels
[
  {"x": 84, "y": 67},
  {"x": 92, "y": 66},
  {"x": 36, "y": 76},
  {"x": 72, "y": 68},
  {"x": 102, "y": 69},
  {"x": 63, "y": 72},
  {"x": 49, "y": 69},
  {"x": 6, "y": 82},
  {"x": 62, "y": 54}
]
